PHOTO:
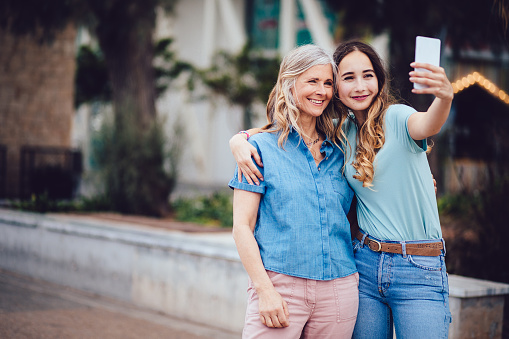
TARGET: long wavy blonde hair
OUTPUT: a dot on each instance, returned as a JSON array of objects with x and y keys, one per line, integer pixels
[
  {"x": 370, "y": 136},
  {"x": 282, "y": 111}
]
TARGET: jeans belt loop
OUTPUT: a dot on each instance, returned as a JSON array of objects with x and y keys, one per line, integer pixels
[
  {"x": 363, "y": 239},
  {"x": 443, "y": 244},
  {"x": 403, "y": 248}
]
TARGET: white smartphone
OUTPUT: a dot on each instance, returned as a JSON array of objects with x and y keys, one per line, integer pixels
[{"x": 426, "y": 50}]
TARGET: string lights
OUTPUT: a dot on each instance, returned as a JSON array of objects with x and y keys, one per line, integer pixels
[{"x": 467, "y": 81}]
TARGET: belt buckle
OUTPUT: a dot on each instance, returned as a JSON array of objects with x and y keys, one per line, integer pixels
[{"x": 377, "y": 242}]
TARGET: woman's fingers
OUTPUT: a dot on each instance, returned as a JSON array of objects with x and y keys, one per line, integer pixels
[
  {"x": 285, "y": 319},
  {"x": 248, "y": 169},
  {"x": 276, "y": 319},
  {"x": 258, "y": 159},
  {"x": 435, "y": 79},
  {"x": 274, "y": 310}
]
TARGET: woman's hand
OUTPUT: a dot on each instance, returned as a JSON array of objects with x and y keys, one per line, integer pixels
[
  {"x": 422, "y": 125},
  {"x": 273, "y": 309},
  {"x": 436, "y": 80},
  {"x": 243, "y": 152}
]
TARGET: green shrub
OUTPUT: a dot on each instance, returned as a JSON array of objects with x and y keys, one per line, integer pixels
[
  {"x": 216, "y": 209},
  {"x": 138, "y": 166},
  {"x": 43, "y": 203}
]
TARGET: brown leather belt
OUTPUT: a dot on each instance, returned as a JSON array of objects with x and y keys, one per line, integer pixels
[{"x": 431, "y": 249}]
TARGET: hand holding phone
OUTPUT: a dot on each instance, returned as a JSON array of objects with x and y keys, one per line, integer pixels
[{"x": 427, "y": 50}]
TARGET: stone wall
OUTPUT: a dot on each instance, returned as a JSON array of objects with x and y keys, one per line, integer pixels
[{"x": 36, "y": 95}]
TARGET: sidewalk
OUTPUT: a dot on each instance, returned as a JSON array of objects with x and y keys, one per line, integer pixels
[
  {"x": 31, "y": 308},
  {"x": 163, "y": 281},
  {"x": 189, "y": 275}
]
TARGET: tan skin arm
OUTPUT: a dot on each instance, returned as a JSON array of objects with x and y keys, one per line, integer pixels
[
  {"x": 272, "y": 307},
  {"x": 422, "y": 125}
]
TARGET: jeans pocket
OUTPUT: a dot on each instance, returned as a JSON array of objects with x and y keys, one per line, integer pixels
[
  {"x": 425, "y": 262},
  {"x": 356, "y": 244}
]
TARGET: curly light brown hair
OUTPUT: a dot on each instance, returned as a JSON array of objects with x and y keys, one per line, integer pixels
[{"x": 370, "y": 136}]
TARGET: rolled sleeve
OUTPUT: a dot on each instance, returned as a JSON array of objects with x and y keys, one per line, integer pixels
[{"x": 244, "y": 185}]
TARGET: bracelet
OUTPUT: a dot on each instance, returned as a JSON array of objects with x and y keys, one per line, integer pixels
[{"x": 244, "y": 132}]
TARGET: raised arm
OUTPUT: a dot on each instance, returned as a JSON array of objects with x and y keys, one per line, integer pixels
[
  {"x": 422, "y": 125},
  {"x": 244, "y": 152},
  {"x": 272, "y": 307}
]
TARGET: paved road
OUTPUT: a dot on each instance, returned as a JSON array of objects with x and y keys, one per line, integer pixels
[{"x": 34, "y": 309}]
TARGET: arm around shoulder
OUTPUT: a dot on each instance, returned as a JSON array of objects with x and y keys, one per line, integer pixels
[{"x": 244, "y": 152}]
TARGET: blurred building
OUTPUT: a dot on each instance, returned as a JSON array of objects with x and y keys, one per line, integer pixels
[
  {"x": 35, "y": 129},
  {"x": 473, "y": 146},
  {"x": 200, "y": 29}
]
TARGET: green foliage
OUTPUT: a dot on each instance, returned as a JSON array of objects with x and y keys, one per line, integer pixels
[
  {"x": 169, "y": 67},
  {"x": 93, "y": 84},
  {"x": 243, "y": 78},
  {"x": 216, "y": 209},
  {"x": 38, "y": 18},
  {"x": 42, "y": 203},
  {"x": 139, "y": 167},
  {"x": 91, "y": 81},
  {"x": 45, "y": 18},
  {"x": 457, "y": 204}
]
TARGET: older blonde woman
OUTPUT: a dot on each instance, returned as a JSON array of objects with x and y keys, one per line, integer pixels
[{"x": 291, "y": 231}]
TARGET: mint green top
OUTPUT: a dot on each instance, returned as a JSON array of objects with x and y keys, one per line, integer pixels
[{"x": 402, "y": 203}]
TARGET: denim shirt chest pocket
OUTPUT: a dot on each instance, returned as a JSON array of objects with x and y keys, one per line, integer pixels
[{"x": 340, "y": 186}]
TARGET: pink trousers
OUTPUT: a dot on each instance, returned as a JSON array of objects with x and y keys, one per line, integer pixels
[{"x": 318, "y": 309}]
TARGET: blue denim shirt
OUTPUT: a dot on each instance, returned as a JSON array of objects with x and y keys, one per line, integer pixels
[{"x": 302, "y": 229}]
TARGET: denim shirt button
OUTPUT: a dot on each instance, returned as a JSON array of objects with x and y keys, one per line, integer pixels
[{"x": 318, "y": 168}]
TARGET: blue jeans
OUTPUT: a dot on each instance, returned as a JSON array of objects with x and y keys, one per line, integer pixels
[{"x": 408, "y": 292}]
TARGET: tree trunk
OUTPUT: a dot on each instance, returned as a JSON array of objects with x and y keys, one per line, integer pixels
[
  {"x": 136, "y": 181},
  {"x": 129, "y": 52}
]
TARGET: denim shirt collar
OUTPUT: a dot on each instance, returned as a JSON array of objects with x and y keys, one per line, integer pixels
[{"x": 327, "y": 145}]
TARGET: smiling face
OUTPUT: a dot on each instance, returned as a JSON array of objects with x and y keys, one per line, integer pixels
[
  {"x": 357, "y": 82},
  {"x": 313, "y": 89}
]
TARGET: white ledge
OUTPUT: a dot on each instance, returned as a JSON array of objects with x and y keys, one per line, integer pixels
[{"x": 464, "y": 287}]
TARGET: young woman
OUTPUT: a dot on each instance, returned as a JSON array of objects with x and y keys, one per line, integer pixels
[
  {"x": 399, "y": 250},
  {"x": 291, "y": 231}
]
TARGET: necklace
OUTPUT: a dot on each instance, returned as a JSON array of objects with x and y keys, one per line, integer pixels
[{"x": 311, "y": 143}]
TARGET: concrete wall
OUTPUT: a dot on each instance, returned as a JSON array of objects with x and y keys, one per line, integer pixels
[
  {"x": 191, "y": 276},
  {"x": 197, "y": 277}
]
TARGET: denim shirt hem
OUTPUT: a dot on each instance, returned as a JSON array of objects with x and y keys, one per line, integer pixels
[{"x": 311, "y": 277}]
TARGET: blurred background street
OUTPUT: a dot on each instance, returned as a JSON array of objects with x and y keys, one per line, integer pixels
[
  {"x": 32, "y": 309},
  {"x": 115, "y": 117}
]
